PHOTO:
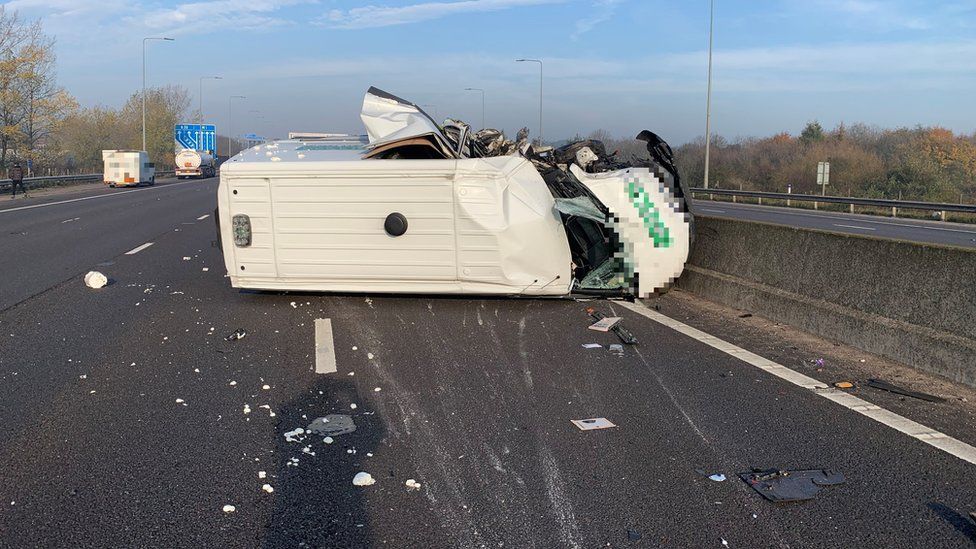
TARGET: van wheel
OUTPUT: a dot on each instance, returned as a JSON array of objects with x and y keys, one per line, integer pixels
[
  {"x": 111, "y": 185},
  {"x": 152, "y": 181}
]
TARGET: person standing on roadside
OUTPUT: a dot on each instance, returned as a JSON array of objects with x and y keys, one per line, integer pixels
[{"x": 16, "y": 175}]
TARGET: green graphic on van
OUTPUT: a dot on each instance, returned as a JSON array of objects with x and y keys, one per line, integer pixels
[{"x": 649, "y": 215}]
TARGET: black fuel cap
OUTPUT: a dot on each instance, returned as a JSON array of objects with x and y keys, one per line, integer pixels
[{"x": 396, "y": 224}]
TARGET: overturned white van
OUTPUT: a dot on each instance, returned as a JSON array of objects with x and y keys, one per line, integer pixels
[{"x": 417, "y": 207}]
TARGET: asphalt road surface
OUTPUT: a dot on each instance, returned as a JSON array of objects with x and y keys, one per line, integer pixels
[
  {"x": 128, "y": 419},
  {"x": 912, "y": 230}
]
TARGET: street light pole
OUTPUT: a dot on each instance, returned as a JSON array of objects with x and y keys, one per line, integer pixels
[
  {"x": 230, "y": 118},
  {"x": 144, "y": 41},
  {"x": 708, "y": 98},
  {"x": 200, "y": 110},
  {"x": 539, "y": 61},
  {"x": 482, "y": 104}
]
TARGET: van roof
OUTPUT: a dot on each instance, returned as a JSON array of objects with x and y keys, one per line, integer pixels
[{"x": 306, "y": 150}]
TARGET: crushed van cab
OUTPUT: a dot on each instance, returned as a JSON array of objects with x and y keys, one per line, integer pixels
[{"x": 418, "y": 207}]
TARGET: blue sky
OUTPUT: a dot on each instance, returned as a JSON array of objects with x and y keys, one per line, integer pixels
[{"x": 620, "y": 65}]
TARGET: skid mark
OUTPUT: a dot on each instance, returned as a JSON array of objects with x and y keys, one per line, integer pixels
[{"x": 561, "y": 505}]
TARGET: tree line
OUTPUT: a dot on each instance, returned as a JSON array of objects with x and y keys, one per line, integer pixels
[
  {"x": 42, "y": 124},
  {"x": 921, "y": 163}
]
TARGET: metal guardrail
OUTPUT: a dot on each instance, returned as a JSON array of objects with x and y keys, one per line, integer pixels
[
  {"x": 5, "y": 183},
  {"x": 852, "y": 201}
]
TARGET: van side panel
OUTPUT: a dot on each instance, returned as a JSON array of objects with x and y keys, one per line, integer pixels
[{"x": 330, "y": 228}]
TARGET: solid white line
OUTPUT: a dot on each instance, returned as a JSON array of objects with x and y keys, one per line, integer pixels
[
  {"x": 915, "y": 430},
  {"x": 325, "y": 359},
  {"x": 855, "y": 227},
  {"x": 138, "y": 249},
  {"x": 117, "y": 193},
  {"x": 202, "y": 217},
  {"x": 715, "y": 211}
]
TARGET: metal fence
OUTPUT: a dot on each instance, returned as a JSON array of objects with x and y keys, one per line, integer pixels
[
  {"x": 31, "y": 182},
  {"x": 789, "y": 198}
]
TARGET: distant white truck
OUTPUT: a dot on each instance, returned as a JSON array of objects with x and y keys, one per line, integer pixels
[
  {"x": 127, "y": 168},
  {"x": 192, "y": 163}
]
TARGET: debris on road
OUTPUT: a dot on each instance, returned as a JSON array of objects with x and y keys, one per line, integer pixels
[
  {"x": 717, "y": 477},
  {"x": 187, "y": 258},
  {"x": 592, "y": 346},
  {"x": 265, "y": 387},
  {"x": 363, "y": 479},
  {"x": 229, "y": 508},
  {"x": 332, "y": 425},
  {"x": 593, "y": 423},
  {"x": 780, "y": 486},
  {"x": 745, "y": 315},
  {"x": 328, "y": 440},
  {"x": 293, "y": 436},
  {"x": 239, "y": 334},
  {"x": 353, "y": 406},
  {"x": 844, "y": 385},
  {"x": 617, "y": 349},
  {"x": 412, "y": 484},
  {"x": 181, "y": 401},
  {"x": 267, "y": 488},
  {"x": 262, "y": 474},
  {"x": 623, "y": 333},
  {"x": 95, "y": 280},
  {"x": 247, "y": 409},
  {"x": 605, "y": 323},
  {"x": 633, "y": 535},
  {"x": 885, "y": 386}
]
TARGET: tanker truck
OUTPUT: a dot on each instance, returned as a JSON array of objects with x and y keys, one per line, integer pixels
[{"x": 191, "y": 163}]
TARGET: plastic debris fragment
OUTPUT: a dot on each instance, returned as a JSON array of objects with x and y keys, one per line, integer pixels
[
  {"x": 267, "y": 488},
  {"x": 95, "y": 280},
  {"x": 779, "y": 486},
  {"x": 239, "y": 334},
  {"x": 593, "y": 424},
  {"x": 229, "y": 508},
  {"x": 412, "y": 484},
  {"x": 332, "y": 425},
  {"x": 363, "y": 479}
]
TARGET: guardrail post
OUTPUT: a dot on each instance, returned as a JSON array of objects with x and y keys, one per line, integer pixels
[
  {"x": 816, "y": 205},
  {"x": 760, "y": 201},
  {"x": 943, "y": 215},
  {"x": 852, "y": 207},
  {"x": 894, "y": 211}
]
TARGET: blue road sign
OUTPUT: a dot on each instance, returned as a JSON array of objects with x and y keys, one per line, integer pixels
[{"x": 199, "y": 137}]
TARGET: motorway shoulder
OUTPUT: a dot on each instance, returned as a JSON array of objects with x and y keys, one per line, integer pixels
[{"x": 912, "y": 230}]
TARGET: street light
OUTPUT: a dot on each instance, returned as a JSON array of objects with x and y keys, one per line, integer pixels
[
  {"x": 539, "y": 61},
  {"x": 482, "y": 104},
  {"x": 708, "y": 96},
  {"x": 230, "y": 118},
  {"x": 200, "y": 110},
  {"x": 144, "y": 41}
]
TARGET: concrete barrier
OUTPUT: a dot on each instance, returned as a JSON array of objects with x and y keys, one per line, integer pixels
[{"x": 914, "y": 303}]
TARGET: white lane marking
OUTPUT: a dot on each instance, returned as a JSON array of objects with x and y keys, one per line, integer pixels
[
  {"x": 911, "y": 428},
  {"x": 70, "y": 220},
  {"x": 202, "y": 217},
  {"x": 855, "y": 227},
  {"x": 716, "y": 211},
  {"x": 138, "y": 249},
  {"x": 859, "y": 218},
  {"x": 117, "y": 193},
  {"x": 325, "y": 359}
]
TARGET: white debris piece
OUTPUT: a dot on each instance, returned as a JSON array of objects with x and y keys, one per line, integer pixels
[
  {"x": 83, "y": 376},
  {"x": 267, "y": 488},
  {"x": 377, "y": 389},
  {"x": 294, "y": 305},
  {"x": 232, "y": 383},
  {"x": 247, "y": 409},
  {"x": 352, "y": 373},
  {"x": 354, "y": 348},
  {"x": 353, "y": 406},
  {"x": 296, "y": 435},
  {"x": 363, "y": 479},
  {"x": 369, "y": 356},
  {"x": 328, "y": 440},
  {"x": 187, "y": 258},
  {"x": 181, "y": 401},
  {"x": 266, "y": 387},
  {"x": 205, "y": 269},
  {"x": 95, "y": 279},
  {"x": 412, "y": 484},
  {"x": 262, "y": 474},
  {"x": 229, "y": 508}
]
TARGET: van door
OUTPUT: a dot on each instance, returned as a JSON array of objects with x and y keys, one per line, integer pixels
[{"x": 332, "y": 228}]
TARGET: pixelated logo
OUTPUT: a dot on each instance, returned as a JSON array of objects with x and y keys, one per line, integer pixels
[{"x": 649, "y": 214}]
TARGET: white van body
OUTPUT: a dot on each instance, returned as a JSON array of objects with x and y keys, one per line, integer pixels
[
  {"x": 127, "y": 167},
  {"x": 415, "y": 207},
  {"x": 317, "y": 211}
]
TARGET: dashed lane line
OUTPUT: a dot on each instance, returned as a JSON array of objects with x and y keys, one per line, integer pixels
[
  {"x": 138, "y": 249},
  {"x": 911, "y": 428}
]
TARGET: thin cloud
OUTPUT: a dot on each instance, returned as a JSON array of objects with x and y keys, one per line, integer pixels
[
  {"x": 387, "y": 16},
  {"x": 603, "y": 10}
]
